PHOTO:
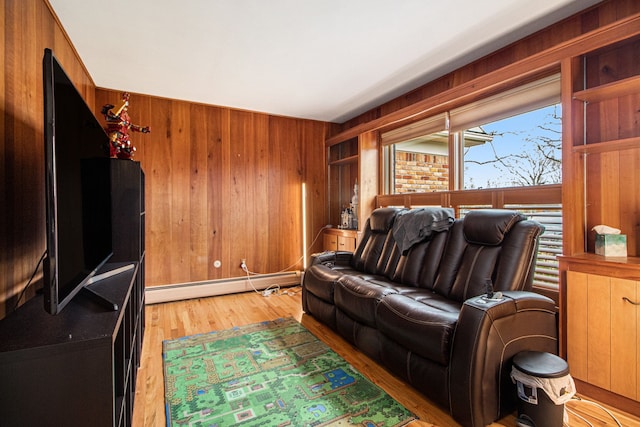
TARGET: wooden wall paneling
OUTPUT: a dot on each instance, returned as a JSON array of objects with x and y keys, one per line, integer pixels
[
  {"x": 285, "y": 187},
  {"x": 158, "y": 175},
  {"x": 259, "y": 235},
  {"x": 217, "y": 172},
  {"x": 180, "y": 192},
  {"x": 609, "y": 201},
  {"x": 27, "y": 28},
  {"x": 225, "y": 232},
  {"x": 369, "y": 166},
  {"x": 630, "y": 119},
  {"x": 594, "y": 197},
  {"x": 199, "y": 192},
  {"x": 315, "y": 178},
  {"x": 6, "y": 290},
  {"x": 237, "y": 217},
  {"x": 248, "y": 191},
  {"x": 572, "y": 171},
  {"x": 629, "y": 195},
  {"x": 222, "y": 184},
  {"x": 218, "y": 177}
]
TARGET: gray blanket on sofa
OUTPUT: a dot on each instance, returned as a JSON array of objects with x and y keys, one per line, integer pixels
[{"x": 416, "y": 225}]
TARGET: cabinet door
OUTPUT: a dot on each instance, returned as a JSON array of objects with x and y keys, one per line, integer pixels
[
  {"x": 603, "y": 341},
  {"x": 577, "y": 324},
  {"x": 346, "y": 243},
  {"x": 599, "y": 331},
  {"x": 589, "y": 328},
  {"x": 330, "y": 242},
  {"x": 624, "y": 338}
]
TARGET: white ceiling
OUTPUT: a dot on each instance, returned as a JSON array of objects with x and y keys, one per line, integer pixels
[{"x": 320, "y": 59}]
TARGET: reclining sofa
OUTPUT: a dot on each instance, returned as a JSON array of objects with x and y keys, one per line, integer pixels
[{"x": 448, "y": 313}]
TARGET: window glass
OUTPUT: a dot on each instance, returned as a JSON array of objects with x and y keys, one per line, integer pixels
[
  {"x": 422, "y": 164},
  {"x": 522, "y": 150}
]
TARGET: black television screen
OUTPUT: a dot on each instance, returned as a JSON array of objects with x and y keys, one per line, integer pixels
[{"x": 78, "y": 192}]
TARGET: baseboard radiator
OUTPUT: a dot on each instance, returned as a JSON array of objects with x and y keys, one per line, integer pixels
[{"x": 210, "y": 288}]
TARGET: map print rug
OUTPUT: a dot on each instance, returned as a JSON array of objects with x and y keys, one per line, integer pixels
[{"x": 272, "y": 373}]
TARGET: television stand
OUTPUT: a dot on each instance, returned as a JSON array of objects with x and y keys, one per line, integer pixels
[
  {"x": 101, "y": 300},
  {"x": 96, "y": 296},
  {"x": 76, "y": 368},
  {"x": 109, "y": 273}
]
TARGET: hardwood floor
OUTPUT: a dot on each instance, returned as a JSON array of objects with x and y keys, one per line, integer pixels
[{"x": 176, "y": 319}]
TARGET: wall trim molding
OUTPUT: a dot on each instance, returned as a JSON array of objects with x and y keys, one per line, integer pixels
[{"x": 209, "y": 288}]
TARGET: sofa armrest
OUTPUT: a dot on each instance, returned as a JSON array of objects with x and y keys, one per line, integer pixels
[
  {"x": 488, "y": 334},
  {"x": 341, "y": 258}
]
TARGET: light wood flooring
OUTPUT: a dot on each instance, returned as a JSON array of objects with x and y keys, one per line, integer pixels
[{"x": 176, "y": 319}]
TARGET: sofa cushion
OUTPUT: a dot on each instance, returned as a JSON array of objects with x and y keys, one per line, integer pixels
[
  {"x": 358, "y": 297},
  {"x": 421, "y": 321},
  {"x": 320, "y": 280}
]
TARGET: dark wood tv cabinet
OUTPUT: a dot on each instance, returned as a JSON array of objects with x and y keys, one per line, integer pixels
[{"x": 79, "y": 367}]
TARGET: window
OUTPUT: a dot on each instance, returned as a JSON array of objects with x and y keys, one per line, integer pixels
[
  {"x": 512, "y": 139},
  {"x": 519, "y": 151},
  {"x": 416, "y": 157},
  {"x": 505, "y": 140}
]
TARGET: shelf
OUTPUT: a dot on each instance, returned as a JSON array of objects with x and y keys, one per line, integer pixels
[
  {"x": 603, "y": 92},
  {"x": 350, "y": 159},
  {"x": 605, "y": 146},
  {"x": 622, "y": 267}
]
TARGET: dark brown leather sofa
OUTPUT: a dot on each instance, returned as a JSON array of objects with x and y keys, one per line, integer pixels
[{"x": 422, "y": 314}]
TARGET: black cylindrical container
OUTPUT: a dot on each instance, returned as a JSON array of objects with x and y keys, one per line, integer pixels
[{"x": 535, "y": 408}]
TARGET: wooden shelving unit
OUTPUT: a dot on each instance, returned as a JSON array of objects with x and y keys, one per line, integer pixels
[
  {"x": 79, "y": 367},
  {"x": 603, "y": 153},
  {"x": 608, "y": 146},
  {"x": 609, "y": 90}
]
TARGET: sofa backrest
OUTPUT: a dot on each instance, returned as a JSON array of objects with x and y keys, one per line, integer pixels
[
  {"x": 419, "y": 266},
  {"x": 370, "y": 255},
  {"x": 493, "y": 245},
  {"x": 416, "y": 244}
]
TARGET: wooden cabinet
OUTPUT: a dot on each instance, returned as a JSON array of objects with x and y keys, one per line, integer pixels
[
  {"x": 599, "y": 300},
  {"x": 349, "y": 162},
  {"x": 339, "y": 240},
  {"x": 79, "y": 367},
  {"x": 602, "y": 331},
  {"x": 599, "y": 328}
]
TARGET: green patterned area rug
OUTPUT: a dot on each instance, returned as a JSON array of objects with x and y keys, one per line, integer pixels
[{"x": 273, "y": 373}]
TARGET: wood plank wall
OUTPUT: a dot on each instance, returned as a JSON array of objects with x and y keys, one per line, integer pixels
[
  {"x": 224, "y": 184},
  {"x": 28, "y": 26}
]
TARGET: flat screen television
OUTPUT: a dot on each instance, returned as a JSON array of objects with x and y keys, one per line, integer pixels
[{"x": 77, "y": 189}]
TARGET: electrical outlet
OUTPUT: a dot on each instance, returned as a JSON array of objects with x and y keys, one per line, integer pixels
[{"x": 243, "y": 264}]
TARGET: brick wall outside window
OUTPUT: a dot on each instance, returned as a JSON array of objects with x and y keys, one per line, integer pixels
[{"x": 420, "y": 172}]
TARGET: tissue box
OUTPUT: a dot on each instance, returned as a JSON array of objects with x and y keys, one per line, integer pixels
[{"x": 611, "y": 244}]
